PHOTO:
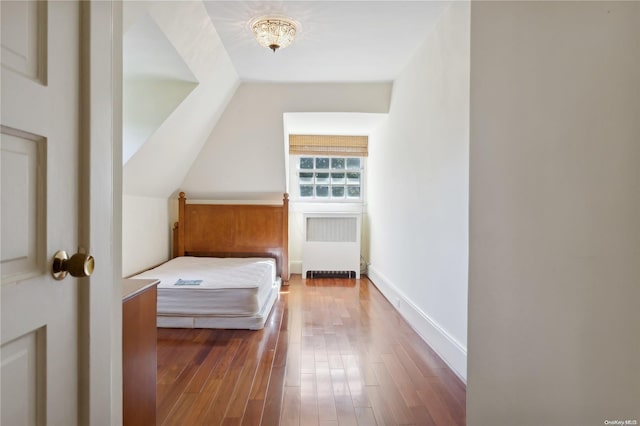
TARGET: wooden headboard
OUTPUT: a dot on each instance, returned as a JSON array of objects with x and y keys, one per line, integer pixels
[{"x": 234, "y": 230}]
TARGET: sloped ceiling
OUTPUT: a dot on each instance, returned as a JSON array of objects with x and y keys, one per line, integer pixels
[
  {"x": 340, "y": 41},
  {"x": 178, "y": 81},
  {"x": 245, "y": 154},
  {"x": 156, "y": 81}
]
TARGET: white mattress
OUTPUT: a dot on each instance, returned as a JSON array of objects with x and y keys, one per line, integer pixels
[{"x": 229, "y": 287}]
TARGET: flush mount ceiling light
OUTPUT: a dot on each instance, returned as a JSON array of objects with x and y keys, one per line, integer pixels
[{"x": 274, "y": 32}]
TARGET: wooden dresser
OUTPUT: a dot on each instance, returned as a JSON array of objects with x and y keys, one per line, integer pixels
[{"x": 139, "y": 354}]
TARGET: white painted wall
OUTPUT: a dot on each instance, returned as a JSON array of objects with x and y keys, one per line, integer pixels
[
  {"x": 146, "y": 233},
  {"x": 154, "y": 173},
  {"x": 554, "y": 329},
  {"x": 158, "y": 168},
  {"x": 244, "y": 158},
  {"x": 147, "y": 104},
  {"x": 244, "y": 155},
  {"x": 418, "y": 191},
  {"x": 156, "y": 80}
]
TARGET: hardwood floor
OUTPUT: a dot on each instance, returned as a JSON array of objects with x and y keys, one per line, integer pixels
[{"x": 333, "y": 352}]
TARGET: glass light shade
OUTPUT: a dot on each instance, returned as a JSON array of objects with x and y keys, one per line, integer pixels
[{"x": 274, "y": 33}]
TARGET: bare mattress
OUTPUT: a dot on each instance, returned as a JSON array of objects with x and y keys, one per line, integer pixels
[{"x": 209, "y": 292}]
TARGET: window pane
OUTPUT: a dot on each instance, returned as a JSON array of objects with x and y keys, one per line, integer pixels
[
  {"x": 337, "y": 163},
  {"x": 337, "y": 192},
  {"x": 337, "y": 178},
  {"x": 322, "y": 162},
  {"x": 322, "y": 178},
  {"x": 306, "y": 177},
  {"x": 353, "y": 192},
  {"x": 306, "y": 163},
  {"x": 306, "y": 190},
  {"x": 353, "y": 177},
  {"x": 322, "y": 191},
  {"x": 330, "y": 178},
  {"x": 353, "y": 163}
]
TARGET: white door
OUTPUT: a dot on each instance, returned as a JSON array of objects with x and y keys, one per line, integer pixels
[{"x": 42, "y": 141}]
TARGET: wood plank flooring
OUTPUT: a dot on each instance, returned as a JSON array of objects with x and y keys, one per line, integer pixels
[{"x": 333, "y": 352}]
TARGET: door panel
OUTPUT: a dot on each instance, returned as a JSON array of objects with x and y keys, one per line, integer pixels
[
  {"x": 23, "y": 206},
  {"x": 24, "y": 38},
  {"x": 40, "y": 209},
  {"x": 23, "y": 378}
]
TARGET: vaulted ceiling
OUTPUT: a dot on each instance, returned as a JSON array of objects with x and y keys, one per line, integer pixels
[
  {"x": 187, "y": 56},
  {"x": 183, "y": 62}
]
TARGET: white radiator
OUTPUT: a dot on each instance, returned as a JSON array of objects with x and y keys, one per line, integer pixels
[{"x": 331, "y": 243}]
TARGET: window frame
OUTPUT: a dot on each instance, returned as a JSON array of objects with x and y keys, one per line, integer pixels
[{"x": 295, "y": 171}]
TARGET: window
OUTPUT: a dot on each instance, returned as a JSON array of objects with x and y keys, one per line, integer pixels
[
  {"x": 327, "y": 168},
  {"x": 329, "y": 178}
]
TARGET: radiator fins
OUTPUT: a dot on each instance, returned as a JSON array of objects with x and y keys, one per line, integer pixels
[{"x": 331, "y": 274}]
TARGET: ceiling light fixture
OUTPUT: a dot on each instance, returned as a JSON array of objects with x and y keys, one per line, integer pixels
[{"x": 274, "y": 32}]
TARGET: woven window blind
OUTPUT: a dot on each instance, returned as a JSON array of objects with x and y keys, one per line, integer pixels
[{"x": 345, "y": 146}]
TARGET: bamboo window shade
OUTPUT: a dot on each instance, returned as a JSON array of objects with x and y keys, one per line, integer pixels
[{"x": 343, "y": 146}]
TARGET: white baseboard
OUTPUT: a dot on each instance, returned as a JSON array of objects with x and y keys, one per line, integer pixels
[{"x": 448, "y": 348}]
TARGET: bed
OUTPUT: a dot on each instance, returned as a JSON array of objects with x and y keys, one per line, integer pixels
[{"x": 229, "y": 262}]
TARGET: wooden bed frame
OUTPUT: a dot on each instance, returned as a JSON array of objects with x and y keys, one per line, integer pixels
[{"x": 234, "y": 230}]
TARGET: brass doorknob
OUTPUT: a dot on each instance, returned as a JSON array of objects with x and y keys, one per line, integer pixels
[{"x": 79, "y": 265}]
